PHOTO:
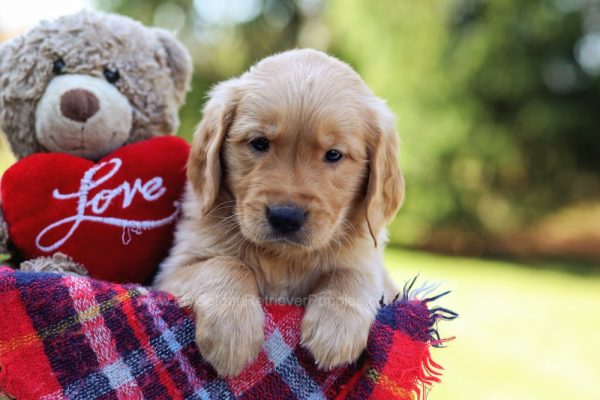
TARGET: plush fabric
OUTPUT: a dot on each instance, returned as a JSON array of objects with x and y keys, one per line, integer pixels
[
  {"x": 55, "y": 202},
  {"x": 154, "y": 67},
  {"x": 78, "y": 338}
]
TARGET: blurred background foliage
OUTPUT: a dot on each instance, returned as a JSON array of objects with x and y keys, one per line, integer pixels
[{"x": 497, "y": 104}]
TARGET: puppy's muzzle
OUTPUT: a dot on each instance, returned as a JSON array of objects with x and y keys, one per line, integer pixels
[{"x": 286, "y": 219}]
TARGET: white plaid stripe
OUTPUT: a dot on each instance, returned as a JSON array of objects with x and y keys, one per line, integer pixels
[
  {"x": 58, "y": 395},
  {"x": 100, "y": 339},
  {"x": 119, "y": 376}
]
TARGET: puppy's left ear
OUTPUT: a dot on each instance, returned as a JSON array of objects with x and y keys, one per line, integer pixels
[
  {"x": 385, "y": 188},
  {"x": 204, "y": 165},
  {"x": 179, "y": 62}
]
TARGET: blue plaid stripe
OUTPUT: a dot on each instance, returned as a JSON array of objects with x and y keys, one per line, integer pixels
[
  {"x": 289, "y": 369},
  {"x": 217, "y": 389}
]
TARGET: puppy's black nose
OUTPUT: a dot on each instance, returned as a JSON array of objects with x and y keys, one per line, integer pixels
[{"x": 286, "y": 219}]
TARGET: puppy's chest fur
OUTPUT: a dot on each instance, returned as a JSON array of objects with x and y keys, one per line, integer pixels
[{"x": 283, "y": 278}]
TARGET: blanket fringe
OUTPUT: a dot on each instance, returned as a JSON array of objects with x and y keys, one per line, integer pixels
[{"x": 431, "y": 371}]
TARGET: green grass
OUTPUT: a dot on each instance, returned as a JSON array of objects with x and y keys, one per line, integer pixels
[{"x": 523, "y": 333}]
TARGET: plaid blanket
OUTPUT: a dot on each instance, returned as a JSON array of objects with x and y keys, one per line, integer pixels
[{"x": 64, "y": 337}]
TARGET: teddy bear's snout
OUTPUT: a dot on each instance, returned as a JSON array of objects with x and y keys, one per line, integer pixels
[
  {"x": 82, "y": 115},
  {"x": 79, "y": 105}
]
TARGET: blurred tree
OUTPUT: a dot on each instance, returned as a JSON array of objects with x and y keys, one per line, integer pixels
[
  {"x": 496, "y": 99},
  {"x": 497, "y": 106},
  {"x": 536, "y": 124}
]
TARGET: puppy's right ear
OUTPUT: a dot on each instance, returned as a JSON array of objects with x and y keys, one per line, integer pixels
[{"x": 204, "y": 165}]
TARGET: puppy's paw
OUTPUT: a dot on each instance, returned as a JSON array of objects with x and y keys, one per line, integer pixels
[
  {"x": 229, "y": 337},
  {"x": 336, "y": 335}
]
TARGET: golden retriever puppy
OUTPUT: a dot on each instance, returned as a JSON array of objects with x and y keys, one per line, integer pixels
[{"x": 293, "y": 177}]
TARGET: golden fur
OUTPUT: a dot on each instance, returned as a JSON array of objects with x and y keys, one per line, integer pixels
[{"x": 225, "y": 260}]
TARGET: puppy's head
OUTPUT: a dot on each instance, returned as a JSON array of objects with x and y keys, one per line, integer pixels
[{"x": 303, "y": 148}]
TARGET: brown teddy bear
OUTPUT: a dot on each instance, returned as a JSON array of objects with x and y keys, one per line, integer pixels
[{"x": 85, "y": 85}]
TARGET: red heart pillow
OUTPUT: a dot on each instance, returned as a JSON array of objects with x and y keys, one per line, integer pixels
[{"x": 115, "y": 216}]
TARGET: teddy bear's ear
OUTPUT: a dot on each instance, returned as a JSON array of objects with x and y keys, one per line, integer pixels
[{"x": 178, "y": 61}]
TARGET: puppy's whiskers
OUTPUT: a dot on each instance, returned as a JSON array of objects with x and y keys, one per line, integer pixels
[{"x": 221, "y": 206}]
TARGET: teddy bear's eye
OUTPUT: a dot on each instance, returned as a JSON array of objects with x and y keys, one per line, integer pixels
[
  {"x": 58, "y": 66},
  {"x": 111, "y": 75}
]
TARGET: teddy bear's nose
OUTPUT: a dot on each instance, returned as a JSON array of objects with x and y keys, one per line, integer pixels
[{"x": 79, "y": 105}]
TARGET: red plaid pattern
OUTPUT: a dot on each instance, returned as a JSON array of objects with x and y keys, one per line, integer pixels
[{"x": 64, "y": 337}]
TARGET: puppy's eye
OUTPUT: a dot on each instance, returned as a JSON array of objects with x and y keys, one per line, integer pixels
[
  {"x": 58, "y": 67},
  {"x": 111, "y": 75},
  {"x": 260, "y": 144},
  {"x": 333, "y": 155}
]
